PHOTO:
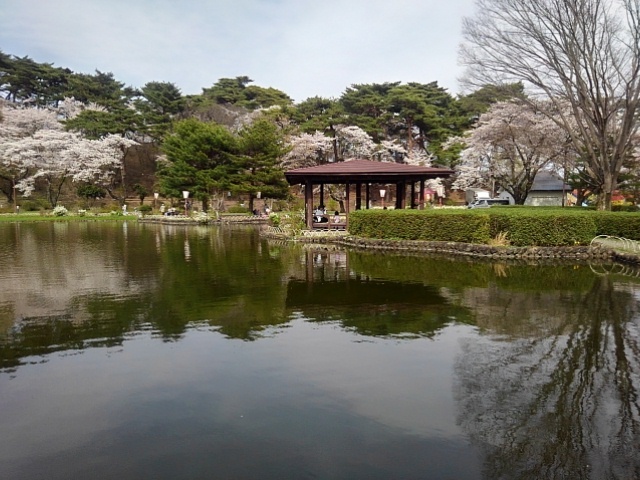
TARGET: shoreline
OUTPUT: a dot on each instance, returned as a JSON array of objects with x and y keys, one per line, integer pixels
[{"x": 465, "y": 250}]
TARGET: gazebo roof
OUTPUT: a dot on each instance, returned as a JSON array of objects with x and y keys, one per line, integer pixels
[{"x": 364, "y": 171}]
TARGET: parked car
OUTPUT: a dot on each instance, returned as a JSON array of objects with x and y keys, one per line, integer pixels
[{"x": 488, "y": 202}]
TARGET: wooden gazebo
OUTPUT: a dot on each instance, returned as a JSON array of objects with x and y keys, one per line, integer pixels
[{"x": 364, "y": 172}]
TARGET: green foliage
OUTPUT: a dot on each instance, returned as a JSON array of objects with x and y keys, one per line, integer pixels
[
  {"x": 158, "y": 103},
  {"x": 95, "y": 124},
  {"x": 618, "y": 224},
  {"x": 237, "y": 91},
  {"x": 140, "y": 191},
  {"x": 257, "y": 168},
  {"x": 34, "y": 205},
  {"x": 101, "y": 88},
  {"x": 525, "y": 226},
  {"x": 544, "y": 227},
  {"x": 144, "y": 209},
  {"x": 90, "y": 191},
  {"x": 199, "y": 156},
  {"x": 478, "y": 102},
  {"x": 624, "y": 207},
  {"x": 293, "y": 222},
  {"x": 238, "y": 209},
  {"x": 367, "y": 107},
  {"x": 318, "y": 114},
  {"x": 420, "y": 225}
]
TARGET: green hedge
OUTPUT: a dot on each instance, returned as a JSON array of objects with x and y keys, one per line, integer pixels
[
  {"x": 534, "y": 226},
  {"x": 543, "y": 228},
  {"x": 618, "y": 224},
  {"x": 444, "y": 226}
]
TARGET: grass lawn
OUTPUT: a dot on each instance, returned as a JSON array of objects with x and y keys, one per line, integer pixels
[{"x": 37, "y": 217}]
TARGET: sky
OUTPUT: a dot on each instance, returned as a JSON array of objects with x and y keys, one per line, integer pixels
[{"x": 305, "y": 48}]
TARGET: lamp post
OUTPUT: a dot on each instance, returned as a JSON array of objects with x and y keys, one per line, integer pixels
[
  {"x": 185, "y": 194},
  {"x": 156, "y": 195},
  {"x": 383, "y": 192}
]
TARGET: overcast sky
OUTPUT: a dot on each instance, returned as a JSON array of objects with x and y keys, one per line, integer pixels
[{"x": 302, "y": 47}]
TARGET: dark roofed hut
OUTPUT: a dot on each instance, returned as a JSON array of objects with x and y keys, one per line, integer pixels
[{"x": 367, "y": 172}]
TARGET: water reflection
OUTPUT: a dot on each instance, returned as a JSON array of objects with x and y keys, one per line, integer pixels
[
  {"x": 560, "y": 401},
  {"x": 535, "y": 365}
]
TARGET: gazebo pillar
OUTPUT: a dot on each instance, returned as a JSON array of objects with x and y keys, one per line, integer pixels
[
  {"x": 346, "y": 203},
  {"x": 308, "y": 203},
  {"x": 401, "y": 194},
  {"x": 358, "y": 196},
  {"x": 367, "y": 195},
  {"x": 422, "y": 194},
  {"x": 413, "y": 195}
]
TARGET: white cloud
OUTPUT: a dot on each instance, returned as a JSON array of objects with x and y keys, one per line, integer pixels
[{"x": 302, "y": 47}]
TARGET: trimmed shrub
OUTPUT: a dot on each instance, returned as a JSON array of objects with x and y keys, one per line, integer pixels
[
  {"x": 432, "y": 225},
  {"x": 618, "y": 224},
  {"x": 543, "y": 228},
  {"x": 237, "y": 209}
]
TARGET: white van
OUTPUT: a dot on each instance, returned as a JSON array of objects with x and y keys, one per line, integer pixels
[{"x": 488, "y": 202}]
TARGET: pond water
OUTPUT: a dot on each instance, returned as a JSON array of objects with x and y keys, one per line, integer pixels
[{"x": 132, "y": 351}]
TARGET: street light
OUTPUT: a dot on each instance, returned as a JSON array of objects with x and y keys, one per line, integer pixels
[
  {"x": 156, "y": 195},
  {"x": 185, "y": 194},
  {"x": 16, "y": 208},
  {"x": 383, "y": 192}
]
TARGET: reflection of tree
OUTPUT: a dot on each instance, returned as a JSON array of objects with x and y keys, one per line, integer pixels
[
  {"x": 374, "y": 307},
  {"x": 120, "y": 280},
  {"x": 561, "y": 406}
]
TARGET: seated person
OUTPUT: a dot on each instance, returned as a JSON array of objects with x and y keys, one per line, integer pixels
[
  {"x": 318, "y": 215},
  {"x": 336, "y": 217}
]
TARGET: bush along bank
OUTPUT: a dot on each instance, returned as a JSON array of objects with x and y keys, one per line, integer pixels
[
  {"x": 535, "y": 233},
  {"x": 516, "y": 227}
]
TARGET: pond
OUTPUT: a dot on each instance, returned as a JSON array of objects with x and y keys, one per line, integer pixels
[{"x": 133, "y": 351}]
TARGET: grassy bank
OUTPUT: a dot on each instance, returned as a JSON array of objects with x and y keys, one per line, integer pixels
[{"x": 37, "y": 217}]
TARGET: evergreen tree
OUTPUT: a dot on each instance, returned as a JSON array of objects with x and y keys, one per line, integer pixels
[
  {"x": 199, "y": 158},
  {"x": 258, "y": 165}
]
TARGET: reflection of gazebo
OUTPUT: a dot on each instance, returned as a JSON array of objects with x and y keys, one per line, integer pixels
[{"x": 365, "y": 172}]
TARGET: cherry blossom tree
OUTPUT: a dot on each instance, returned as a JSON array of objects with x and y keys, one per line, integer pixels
[
  {"x": 35, "y": 149},
  {"x": 583, "y": 53},
  {"x": 18, "y": 123},
  {"x": 510, "y": 144},
  {"x": 307, "y": 150}
]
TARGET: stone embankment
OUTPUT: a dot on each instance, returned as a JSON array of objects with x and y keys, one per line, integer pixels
[
  {"x": 579, "y": 252},
  {"x": 184, "y": 220},
  {"x": 484, "y": 251}
]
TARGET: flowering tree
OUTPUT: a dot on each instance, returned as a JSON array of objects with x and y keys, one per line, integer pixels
[
  {"x": 511, "y": 143},
  {"x": 34, "y": 149},
  {"x": 349, "y": 142},
  {"x": 307, "y": 150},
  {"x": 54, "y": 157},
  {"x": 19, "y": 123},
  {"x": 585, "y": 54}
]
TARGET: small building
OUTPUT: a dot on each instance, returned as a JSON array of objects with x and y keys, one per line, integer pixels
[{"x": 547, "y": 190}]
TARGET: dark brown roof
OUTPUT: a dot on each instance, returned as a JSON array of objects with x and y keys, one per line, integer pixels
[{"x": 352, "y": 171}]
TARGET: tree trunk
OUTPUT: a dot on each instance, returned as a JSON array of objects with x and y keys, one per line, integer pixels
[
  {"x": 608, "y": 187},
  {"x": 334, "y": 142}
]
